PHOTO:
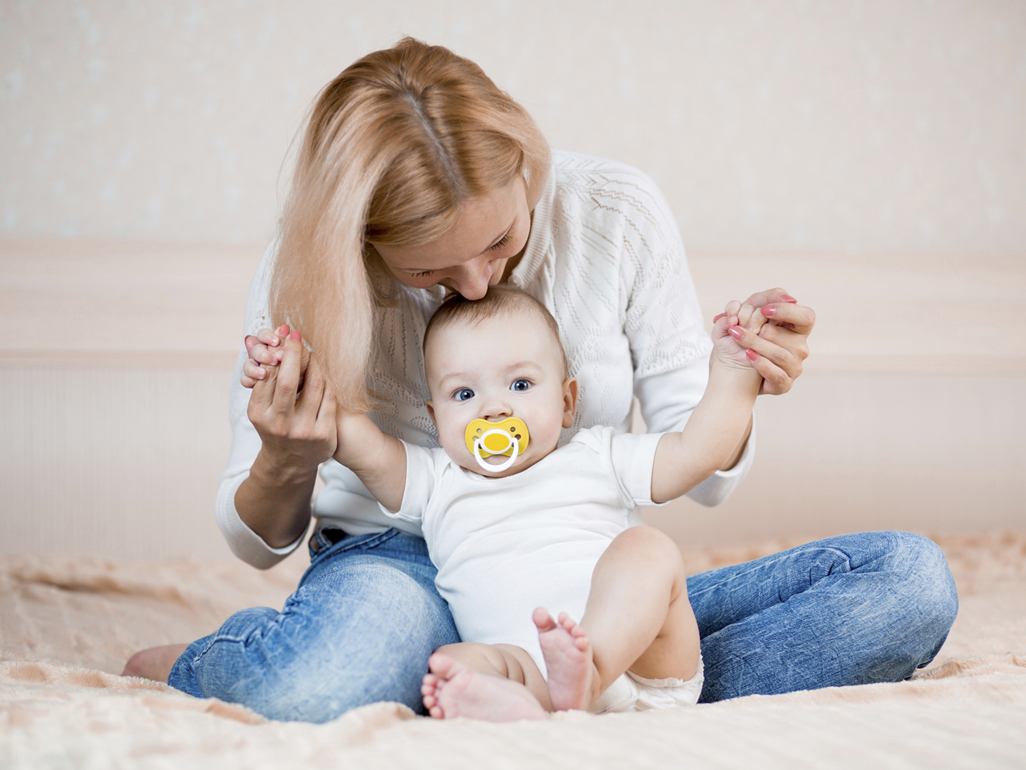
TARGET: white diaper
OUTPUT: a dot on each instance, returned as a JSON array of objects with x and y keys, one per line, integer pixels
[{"x": 630, "y": 692}]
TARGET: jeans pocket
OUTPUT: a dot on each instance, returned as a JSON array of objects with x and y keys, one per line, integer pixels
[
  {"x": 324, "y": 538},
  {"x": 330, "y": 541}
]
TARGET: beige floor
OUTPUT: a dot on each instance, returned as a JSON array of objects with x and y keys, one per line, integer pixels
[
  {"x": 117, "y": 359},
  {"x": 68, "y": 625}
]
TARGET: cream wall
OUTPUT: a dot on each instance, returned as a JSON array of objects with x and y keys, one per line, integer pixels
[
  {"x": 803, "y": 127},
  {"x": 869, "y": 156}
]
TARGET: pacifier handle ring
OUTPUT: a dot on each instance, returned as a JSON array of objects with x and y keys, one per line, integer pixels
[{"x": 478, "y": 440}]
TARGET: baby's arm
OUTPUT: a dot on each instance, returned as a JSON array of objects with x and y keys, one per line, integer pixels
[
  {"x": 684, "y": 460},
  {"x": 376, "y": 457}
]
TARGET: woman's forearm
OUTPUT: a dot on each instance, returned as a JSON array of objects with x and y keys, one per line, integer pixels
[{"x": 274, "y": 500}]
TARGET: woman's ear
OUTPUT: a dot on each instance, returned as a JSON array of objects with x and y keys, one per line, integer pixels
[{"x": 569, "y": 401}]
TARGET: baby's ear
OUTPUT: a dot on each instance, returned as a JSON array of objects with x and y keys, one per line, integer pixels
[
  {"x": 431, "y": 412},
  {"x": 569, "y": 401}
]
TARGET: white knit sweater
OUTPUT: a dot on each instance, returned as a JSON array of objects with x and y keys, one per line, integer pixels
[{"x": 606, "y": 258}]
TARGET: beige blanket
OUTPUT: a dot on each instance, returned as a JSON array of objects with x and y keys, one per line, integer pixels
[{"x": 66, "y": 628}]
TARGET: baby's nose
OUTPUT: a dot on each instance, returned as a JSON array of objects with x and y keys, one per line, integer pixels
[{"x": 497, "y": 408}]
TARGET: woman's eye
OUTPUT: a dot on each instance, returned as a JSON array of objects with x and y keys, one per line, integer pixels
[
  {"x": 421, "y": 274},
  {"x": 519, "y": 386},
  {"x": 463, "y": 394},
  {"x": 500, "y": 243}
]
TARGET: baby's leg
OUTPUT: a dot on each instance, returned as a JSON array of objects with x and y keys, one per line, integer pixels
[
  {"x": 497, "y": 683},
  {"x": 638, "y": 617}
]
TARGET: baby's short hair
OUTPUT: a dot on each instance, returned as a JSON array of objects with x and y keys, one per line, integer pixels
[{"x": 499, "y": 300}]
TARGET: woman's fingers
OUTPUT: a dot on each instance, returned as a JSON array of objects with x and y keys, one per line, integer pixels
[
  {"x": 288, "y": 375},
  {"x": 763, "y": 298},
  {"x": 309, "y": 401},
  {"x": 795, "y": 343},
  {"x": 263, "y": 392},
  {"x": 756, "y": 321},
  {"x": 775, "y": 381},
  {"x": 315, "y": 410},
  {"x": 797, "y": 318},
  {"x": 782, "y": 358}
]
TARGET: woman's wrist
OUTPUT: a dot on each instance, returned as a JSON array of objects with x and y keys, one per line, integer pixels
[
  {"x": 282, "y": 469},
  {"x": 274, "y": 500}
]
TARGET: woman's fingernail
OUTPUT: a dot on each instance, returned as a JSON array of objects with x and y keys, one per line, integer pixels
[
  {"x": 789, "y": 298},
  {"x": 768, "y": 311},
  {"x": 294, "y": 336},
  {"x": 752, "y": 355},
  {"x": 283, "y": 330},
  {"x": 736, "y": 332},
  {"x": 718, "y": 317}
]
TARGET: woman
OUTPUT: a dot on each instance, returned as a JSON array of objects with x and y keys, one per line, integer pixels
[{"x": 416, "y": 176}]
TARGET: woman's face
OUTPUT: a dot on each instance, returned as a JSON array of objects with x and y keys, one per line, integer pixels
[{"x": 479, "y": 251}]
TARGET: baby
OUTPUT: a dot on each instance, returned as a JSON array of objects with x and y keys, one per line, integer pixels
[{"x": 518, "y": 525}]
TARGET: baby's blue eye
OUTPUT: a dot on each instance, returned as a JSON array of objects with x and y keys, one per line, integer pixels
[
  {"x": 519, "y": 386},
  {"x": 463, "y": 394}
]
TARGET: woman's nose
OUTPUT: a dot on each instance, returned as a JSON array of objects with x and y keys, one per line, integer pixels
[{"x": 471, "y": 280}]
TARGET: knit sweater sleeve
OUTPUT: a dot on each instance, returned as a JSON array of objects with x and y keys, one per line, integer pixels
[
  {"x": 669, "y": 344},
  {"x": 246, "y": 443}
]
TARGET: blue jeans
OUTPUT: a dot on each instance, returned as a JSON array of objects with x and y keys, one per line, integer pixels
[
  {"x": 862, "y": 608},
  {"x": 854, "y": 609},
  {"x": 359, "y": 629}
]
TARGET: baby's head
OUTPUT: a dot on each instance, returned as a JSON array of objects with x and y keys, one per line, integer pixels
[{"x": 492, "y": 359}]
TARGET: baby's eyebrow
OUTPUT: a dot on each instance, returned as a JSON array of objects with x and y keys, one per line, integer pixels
[
  {"x": 525, "y": 365},
  {"x": 453, "y": 376}
]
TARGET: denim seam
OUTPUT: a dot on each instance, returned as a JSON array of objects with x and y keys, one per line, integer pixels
[{"x": 783, "y": 556}]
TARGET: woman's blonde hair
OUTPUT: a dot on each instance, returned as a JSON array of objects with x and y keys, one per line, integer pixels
[{"x": 394, "y": 146}]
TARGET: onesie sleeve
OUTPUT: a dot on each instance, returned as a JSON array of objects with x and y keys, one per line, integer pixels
[
  {"x": 633, "y": 456},
  {"x": 422, "y": 474}
]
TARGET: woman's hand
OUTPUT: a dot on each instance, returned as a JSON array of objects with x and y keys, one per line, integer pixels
[
  {"x": 781, "y": 344},
  {"x": 294, "y": 415}
]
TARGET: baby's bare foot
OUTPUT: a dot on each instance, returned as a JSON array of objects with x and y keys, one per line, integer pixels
[
  {"x": 568, "y": 657},
  {"x": 154, "y": 663},
  {"x": 453, "y": 690}
]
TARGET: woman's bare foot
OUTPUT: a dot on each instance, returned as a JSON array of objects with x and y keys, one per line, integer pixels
[
  {"x": 568, "y": 658},
  {"x": 453, "y": 690},
  {"x": 154, "y": 663}
]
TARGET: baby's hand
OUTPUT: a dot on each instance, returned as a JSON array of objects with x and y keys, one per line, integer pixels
[
  {"x": 737, "y": 324},
  {"x": 265, "y": 350}
]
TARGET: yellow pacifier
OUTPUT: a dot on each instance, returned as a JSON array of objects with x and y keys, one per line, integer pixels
[{"x": 508, "y": 437}]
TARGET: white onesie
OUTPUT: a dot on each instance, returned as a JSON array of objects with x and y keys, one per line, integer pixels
[{"x": 504, "y": 546}]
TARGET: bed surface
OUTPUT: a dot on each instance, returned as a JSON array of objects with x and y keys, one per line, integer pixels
[{"x": 67, "y": 626}]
